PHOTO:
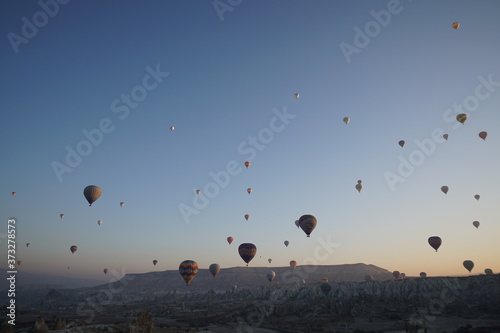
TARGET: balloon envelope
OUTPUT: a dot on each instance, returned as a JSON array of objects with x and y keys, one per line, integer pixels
[
  {"x": 198, "y": 191},
  {"x": 435, "y": 242},
  {"x": 423, "y": 274},
  {"x": 476, "y": 224},
  {"x": 477, "y": 196},
  {"x": 455, "y": 25},
  {"x": 286, "y": 243},
  {"x": 92, "y": 193},
  {"x": 214, "y": 269},
  {"x": 105, "y": 271},
  {"x": 461, "y": 118},
  {"x": 396, "y": 274},
  {"x": 99, "y": 222},
  {"x": 359, "y": 186},
  {"x": 483, "y": 135},
  {"x": 73, "y": 248},
  {"x": 249, "y": 190},
  {"x": 346, "y": 120},
  {"x": 247, "y": 164},
  {"x": 296, "y": 95},
  {"x": 188, "y": 270},
  {"x": 247, "y": 251},
  {"x": 230, "y": 240},
  {"x": 444, "y": 189},
  {"x": 488, "y": 271},
  {"x": 28, "y": 244},
  {"x": 271, "y": 275},
  {"x": 172, "y": 128},
  {"x": 402, "y": 143},
  {"x": 155, "y": 262},
  {"x": 61, "y": 215},
  {"x": 14, "y": 193},
  {"x": 247, "y": 216},
  {"x": 445, "y": 136},
  {"x": 270, "y": 260},
  {"x": 469, "y": 265},
  {"x": 293, "y": 264},
  {"x": 307, "y": 223},
  {"x": 122, "y": 204}
]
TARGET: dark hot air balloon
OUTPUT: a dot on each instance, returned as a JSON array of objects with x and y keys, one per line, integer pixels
[
  {"x": 92, "y": 193},
  {"x": 307, "y": 223},
  {"x": 247, "y": 251},
  {"x": 435, "y": 242},
  {"x": 214, "y": 269}
]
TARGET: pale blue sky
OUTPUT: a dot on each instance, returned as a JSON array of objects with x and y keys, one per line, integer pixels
[{"x": 224, "y": 80}]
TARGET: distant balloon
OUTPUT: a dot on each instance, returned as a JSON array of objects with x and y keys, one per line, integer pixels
[
  {"x": 271, "y": 275},
  {"x": 476, "y": 224},
  {"x": 307, "y": 224},
  {"x": 325, "y": 288},
  {"x": 247, "y": 164},
  {"x": 461, "y": 118},
  {"x": 230, "y": 240},
  {"x": 198, "y": 191},
  {"x": 296, "y": 95},
  {"x": 435, "y": 242},
  {"x": 402, "y": 143},
  {"x": 73, "y": 248},
  {"x": 247, "y": 251},
  {"x": 402, "y": 275},
  {"x": 105, "y": 271},
  {"x": 297, "y": 223},
  {"x": 188, "y": 270},
  {"x": 172, "y": 128},
  {"x": 122, "y": 204},
  {"x": 368, "y": 278},
  {"x": 488, "y": 271},
  {"x": 247, "y": 216},
  {"x": 396, "y": 274},
  {"x": 270, "y": 260},
  {"x": 61, "y": 215},
  {"x": 28, "y": 244},
  {"x": 445, "y": 136},
  {"x": 92, "y": 193},
  {"x": 19, "y": 262},
  {"x": 324, "y": 280},
  {"x": 293, "y": 264},
  {"x": 469, "y": 265},
  {"x": 99, "y": 222},
  {"x": 359, "y": 186},
  {"x": 155, "y": 262},
  {"x": 214, "y": 269},
  {"x": 286, "y": 243},
  {"x": 249, "y": 190},
  {"x": 14, "y": 193},
  {"x": 483, "y": 135},
  {"x": 423, "y": 274},
  {"x": 455, "y": 25},
  {"x": 235, "y": 287},
  {"x": 303, "y": 281},
  {"x": 444, "y": 189},
  {"x": 346, "y": 120}
]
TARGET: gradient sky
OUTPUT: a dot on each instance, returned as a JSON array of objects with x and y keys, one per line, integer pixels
[{"x": 227, "y": 79}]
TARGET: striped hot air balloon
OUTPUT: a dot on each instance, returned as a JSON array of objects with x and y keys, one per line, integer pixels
[
  {"x": 247, "y": 251},
  {"x": 188, "y": 270}
]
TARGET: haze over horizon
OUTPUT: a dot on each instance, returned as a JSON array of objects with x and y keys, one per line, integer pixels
[{"x": 91, "y": 96}]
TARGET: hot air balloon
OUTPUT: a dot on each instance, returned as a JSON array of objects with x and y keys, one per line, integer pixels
[
  {"x": 402, "y": 275},
  {"x": 488, "y": 271},
  {"x": 270, "y": 260},
  {"x": 477, "y": 196},
  {"x": 247, "y": 164},
  {"x": 423, "y": 274},
  {"x": 476, "y": 224},
  {"x": 296, "y": 95},
  {"x": 249, "y": 190},
  {"x": 402, "y": 143},
  {"x": 99, "y": 222},
  {"x": 445, "y": 136},
  {"x": 122, "y": 204},
  {"x": 324, "y": 280},
  {"x": 155, "y": 262},
  {"x": 73, "y": 248},
  {"x": 14, "y": 193},
  {"x": 188, "y": 270},
  {"x": 105, "y": 271},
  {"x": 297, "y": 223},
  {"x": 19, "y": 262},
  {"x": 435, "y": 242},
  {"x": 198, "y": 191},
  {"x": 368, "y": 278},
  {"x": 461, "y": 118},
  {"x": 483, "y": 135},
  {"x": 307, "y": 224},
  {"x": 455, "y": 25},
  {"x": 247, "y": 216},
  {"x": 346, "y": 120},
  {"x": 293, "y": 264},
  {"x": 172, "y": 128},
  {"x": 214, "y": 269},
  {"x": 235, "y": 287},
  {"x": 469, "y": 265},
  {"x": 61, "y": 215},
  {"x": 325, "y": 287},
  {"x": 28, "y": 244},
  {"x": 230, "y": 240},
  {"x": 92, "y": 193},
  {"x": 303, "y": 281},
  {"x": 271, "y": 275},
  {"x": 359, "y": 186},
  {"x": 396, "y": 274},
  {"x": 444, "y": 189},
  {"x": 286, "y": 243},
  {"x": 247, "y": 251}
]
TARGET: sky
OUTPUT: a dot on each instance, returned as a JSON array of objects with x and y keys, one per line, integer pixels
[{"x": 92, "y": 88}]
